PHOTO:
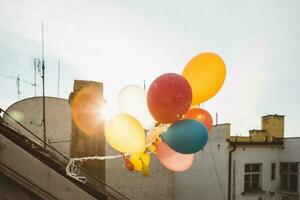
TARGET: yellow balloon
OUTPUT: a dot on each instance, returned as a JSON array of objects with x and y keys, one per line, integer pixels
[
  {"x": 206, "y": 74},
  {"x": 195, "y": 106},
  {"x": 125, "y": 134}
]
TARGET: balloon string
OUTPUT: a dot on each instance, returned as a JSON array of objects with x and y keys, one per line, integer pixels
[
  {"x": 74, "y": 164},
  {"x": 164, "y": 128}
]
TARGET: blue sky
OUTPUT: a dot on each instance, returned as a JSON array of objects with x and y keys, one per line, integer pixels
[{"x": 126, "y": 42}]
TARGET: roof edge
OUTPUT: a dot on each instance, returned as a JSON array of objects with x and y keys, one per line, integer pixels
[{"x": 37, "y": 97}]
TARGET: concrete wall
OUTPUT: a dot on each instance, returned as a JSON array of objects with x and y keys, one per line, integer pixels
[
  {"x": 265, "y": 155},
  {"x": 36, "y": 172},
  {"x": 207, "y": 177},
  {"x": 58, "y": 120},
  {"x": 256, "y": 154},
  {"x": 87, "y": 135},
  {"x": 9, "y": 189},
  {"x": 290, "y": 151}
]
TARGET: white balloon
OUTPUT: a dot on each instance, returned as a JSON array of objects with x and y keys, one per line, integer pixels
[{"x": 132, "y": 100}]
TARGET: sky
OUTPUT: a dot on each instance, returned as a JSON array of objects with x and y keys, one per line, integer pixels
[{"x": 126, "y": 42}]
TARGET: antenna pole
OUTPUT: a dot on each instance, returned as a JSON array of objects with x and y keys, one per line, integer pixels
[
  {"x": 34, "y": 77},
  {"x": 42, "y": 40},
  {"x": 43, "y": 77},
  {"x": 217, "y": 119},
  {"x": 18, "y": 87},
  {"x": 58, "y": 80},
  {"x": 144, "y": 85}
]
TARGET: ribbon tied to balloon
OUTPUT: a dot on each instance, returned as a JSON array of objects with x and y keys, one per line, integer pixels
[{"x": 166, "y": 120}]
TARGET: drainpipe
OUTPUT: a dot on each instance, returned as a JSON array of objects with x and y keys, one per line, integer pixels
[{"x": 229, "y": 171}]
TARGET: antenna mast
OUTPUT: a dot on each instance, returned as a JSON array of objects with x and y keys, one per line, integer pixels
[
  {"x": 37, "y": 67},
  {"x": 43, "y": 77},
  {"x": 19, "y": 80},
  {"x": 18, "y": 86}
]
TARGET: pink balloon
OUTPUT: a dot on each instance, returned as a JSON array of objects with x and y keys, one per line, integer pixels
[{"x": 173, "y": 160}]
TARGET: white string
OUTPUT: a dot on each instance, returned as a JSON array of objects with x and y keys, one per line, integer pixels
[{"x": 72, "y": 168}]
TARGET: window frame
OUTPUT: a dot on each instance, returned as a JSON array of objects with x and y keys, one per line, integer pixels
[
  {"x": 289, "y": 173},
  {"x": 273, "y": 171},
  {"x": 251, "y": 173}
]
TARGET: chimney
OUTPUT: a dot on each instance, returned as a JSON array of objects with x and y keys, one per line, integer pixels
[
  {"x": 87, "y": 137},
  {"x": 273, "y": 125}
]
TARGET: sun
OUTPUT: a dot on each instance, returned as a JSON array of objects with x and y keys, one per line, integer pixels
[{"x": 106, "y": 111}]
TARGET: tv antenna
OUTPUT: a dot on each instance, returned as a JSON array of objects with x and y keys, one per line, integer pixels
[
  {"x": 37, "y": 68},
  {"x": 18, "y": 80}
]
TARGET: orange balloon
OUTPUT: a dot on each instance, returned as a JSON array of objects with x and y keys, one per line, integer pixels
[
  {"x": 206, "y": 74},
  {"x": 200, "y": 115}
]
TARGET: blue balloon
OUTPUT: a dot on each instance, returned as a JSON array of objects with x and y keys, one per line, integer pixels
[{"x": 186, "y": 136}]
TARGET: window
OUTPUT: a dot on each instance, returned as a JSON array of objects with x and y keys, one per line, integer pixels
[
  {"x": 252, "y": 178},
  {"x": 273, "y": 171},
  {"x": 289, "y": 176}
]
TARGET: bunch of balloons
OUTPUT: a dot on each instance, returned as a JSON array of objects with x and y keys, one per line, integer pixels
[{"x": 176, "y": 127}]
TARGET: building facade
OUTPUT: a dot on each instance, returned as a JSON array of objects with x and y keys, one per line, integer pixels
[{"x": 264, "y": 165}]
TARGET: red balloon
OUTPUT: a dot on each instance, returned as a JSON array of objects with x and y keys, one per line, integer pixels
[
  {"x": 200, "y": 115},
  {"x": 169, "y": 98}
]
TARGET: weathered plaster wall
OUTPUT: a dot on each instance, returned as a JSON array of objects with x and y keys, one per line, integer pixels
[
  {"x": 58, "y": 120},
  {"x": 16, "y": 159},
  {"x": 207, "y": 178}
]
